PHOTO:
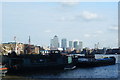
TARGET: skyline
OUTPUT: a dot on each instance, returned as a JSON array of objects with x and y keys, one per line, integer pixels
[{"x": 84, "y": 21}]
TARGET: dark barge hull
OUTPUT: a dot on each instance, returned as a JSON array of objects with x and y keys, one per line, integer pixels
[
  {"x": 97, "y": 62},
  {"x": 36, "y": 68},
  {"x": 27, "y": 63}
]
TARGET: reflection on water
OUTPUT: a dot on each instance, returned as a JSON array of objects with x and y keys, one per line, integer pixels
[
  {"x": 110, "y": 71},
  {"x": 98, "y": 72}
]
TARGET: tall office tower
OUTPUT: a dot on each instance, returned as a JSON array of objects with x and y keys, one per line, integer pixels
[
  {"x": 75, "y": 44},
  {"x": 97, "y": 45},
  {"x": 54, "y": 42},
  {"x": 70, "y": 44},
  {"x": 80, "y": 45},
  {"x": 51, "y": 43},
  {"x": 64, "y": 43}
]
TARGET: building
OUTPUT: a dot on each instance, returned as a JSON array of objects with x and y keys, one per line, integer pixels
[
  {"x": 51, "y": 43},
  {"x": 78, "y": 45},
  {"x": 1, "y": 49},
  {"x": 70, "y": 44},
  {"x": 97, "y": 46},
  {"x": 75, "y": 44},
  {"x": 19, "y": 48},
  {"x": 12, "y": 46},
  {"x": 32, "y": 49},
  {"x": 64, "y": 43},
  {"x": 37, "y": 49},
  {"x": 54, "y": 43}
]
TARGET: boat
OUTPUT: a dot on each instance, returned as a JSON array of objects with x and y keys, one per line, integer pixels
[
  {"x": 92, "y": 62},
  {"x": 36, "y": 62},
  {"x": 69, "y": 67}
]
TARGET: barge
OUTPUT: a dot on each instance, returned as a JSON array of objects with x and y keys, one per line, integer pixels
[
  {"x": 53, "y": 60},
  {"x": 92, "y": 62},
  {"x": 36, "y": 62}
]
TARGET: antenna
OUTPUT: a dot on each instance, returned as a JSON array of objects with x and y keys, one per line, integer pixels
[
  {"x": 29, "y": 41},
  {"x": 98, "y": 44},
  {"x": 15, "y": 38},
  {"x": 15, "y": 49}
]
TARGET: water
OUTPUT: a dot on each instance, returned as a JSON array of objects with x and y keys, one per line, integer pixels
[{"x": 110, "y": 71}]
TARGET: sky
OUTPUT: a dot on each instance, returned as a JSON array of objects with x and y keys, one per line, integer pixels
[{"x": 89, "y": 22}]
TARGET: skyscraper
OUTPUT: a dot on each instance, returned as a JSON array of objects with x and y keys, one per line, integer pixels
[
  {"x": 64, "y": 43},
  {"x": 70, "y": 44},
  {"x": 78, "y": 45},
  {"x": 51, "y": 43},
  {"x": 54, "y": 42},
  {"x": 75, "y": 44},
  {"x": 96, "y": 46}
]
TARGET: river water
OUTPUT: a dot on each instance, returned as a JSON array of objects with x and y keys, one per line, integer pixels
[{"x": 110, "y": 71}]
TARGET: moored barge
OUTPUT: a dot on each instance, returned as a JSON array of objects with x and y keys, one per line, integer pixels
[
  {"x": 92, "y": 62},
  {"x": 37, "y": 62},
  {"x": 53, "y": 60}
]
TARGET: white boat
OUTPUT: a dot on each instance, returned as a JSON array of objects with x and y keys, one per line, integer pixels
[{"x": 69, "y": 67}]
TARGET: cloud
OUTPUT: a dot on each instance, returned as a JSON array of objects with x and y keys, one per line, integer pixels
[
  {"x": 47, "y": 31},
  {"x": 83, "y": 16},
  {"x": 86, "y": 15},
  {"x": 113, "y": 28},
  {"x": 69, "y": 3},
  {"x": 67, "y": 18},
  {"x": 94, "y": 34},
  {"x": 99, "y": 32},
  {"x": 87, "y": 35},
  {"x": 62, "y": 18}
]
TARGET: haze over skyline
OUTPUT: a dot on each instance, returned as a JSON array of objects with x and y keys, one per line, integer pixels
[{"x": 89, "y": 22}]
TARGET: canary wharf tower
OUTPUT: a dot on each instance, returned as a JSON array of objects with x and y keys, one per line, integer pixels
[{"x": 55, "y": 42}]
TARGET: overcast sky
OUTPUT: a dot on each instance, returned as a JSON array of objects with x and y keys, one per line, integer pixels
[{"x": 88, "y": 22}]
